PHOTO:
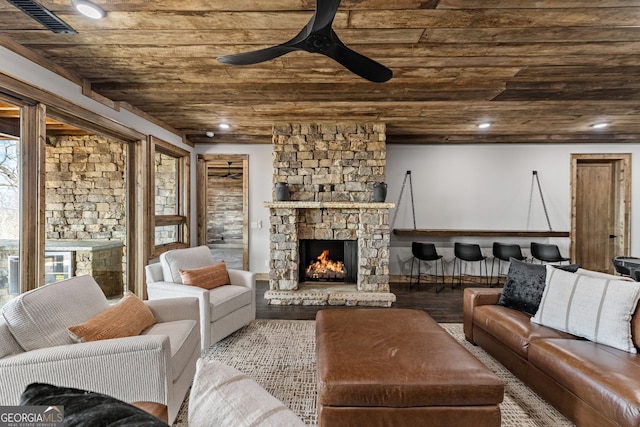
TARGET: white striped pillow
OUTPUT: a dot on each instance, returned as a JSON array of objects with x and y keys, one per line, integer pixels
[{"x": 594, "y": 308}]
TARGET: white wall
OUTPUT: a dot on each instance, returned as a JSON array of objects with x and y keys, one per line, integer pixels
[
  {"x": 455, "y": 187},
  {"x": 480, "y": 187},
  {"x": 488, "y": 187}
]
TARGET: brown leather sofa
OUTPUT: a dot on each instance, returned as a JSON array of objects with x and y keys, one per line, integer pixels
[{"x": 591, "y": 384}]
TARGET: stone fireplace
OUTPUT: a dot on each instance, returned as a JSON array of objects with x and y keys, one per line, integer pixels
[{"x": 330, "y": 170}]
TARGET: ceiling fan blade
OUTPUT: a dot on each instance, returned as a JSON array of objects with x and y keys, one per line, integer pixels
[
  {"x": 296, "y": 43},
  {"x": 256, "y": 56},
  {"x": 324, "y": 14},
  {"x": 359, "y": 64},
  {"x": 318, "y": 37}
]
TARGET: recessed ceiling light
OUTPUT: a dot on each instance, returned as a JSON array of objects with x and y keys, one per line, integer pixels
[
  {"x": 89, "y": 9},
  {"x": 224, "y": 125},
  {"x": 599, "y": 125},
  {"x": 210, "y": 134},
  {"x": 484, "y": 125}
]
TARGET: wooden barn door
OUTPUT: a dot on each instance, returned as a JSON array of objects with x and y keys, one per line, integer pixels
[{"x": 600, "y": 186}]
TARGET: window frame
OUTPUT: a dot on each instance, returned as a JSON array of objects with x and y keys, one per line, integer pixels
[
  {"x": 182, "y": 219},
  {"x": 36, "y": 105}
]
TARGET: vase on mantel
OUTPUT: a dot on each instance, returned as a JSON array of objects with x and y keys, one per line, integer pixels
[
  {"x": 282, "y": 191},
  {"x": 379, "y": 191}
]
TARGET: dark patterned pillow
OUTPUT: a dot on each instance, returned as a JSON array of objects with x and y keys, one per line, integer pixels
[
  {"x": 524, "y": 285},
  {"x": 85, "y": 408}
]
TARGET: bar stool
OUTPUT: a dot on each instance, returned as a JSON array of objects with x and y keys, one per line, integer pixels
[
  {"x": 468, "y": 252},
  {"x": 547, "y": 253},
  {"x": 504, "y": 252},
  {"x": 426, "y": 252}
]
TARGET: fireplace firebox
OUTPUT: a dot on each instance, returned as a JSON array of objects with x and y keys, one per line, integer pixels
[{"x": 328, "y": 261}]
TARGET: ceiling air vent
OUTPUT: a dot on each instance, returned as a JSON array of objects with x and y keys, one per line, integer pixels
[{"x": 43, "y": 16}]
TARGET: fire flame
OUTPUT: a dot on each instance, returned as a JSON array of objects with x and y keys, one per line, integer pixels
[{"x": 324, "y": 264}]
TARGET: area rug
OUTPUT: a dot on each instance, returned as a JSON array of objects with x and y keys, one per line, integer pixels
[{"x": 280, "y": 355}]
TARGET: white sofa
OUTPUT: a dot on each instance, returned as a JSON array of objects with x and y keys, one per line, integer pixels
[
  {"x": 223, "y": 310},
  {"x": 156, "y": 366}
]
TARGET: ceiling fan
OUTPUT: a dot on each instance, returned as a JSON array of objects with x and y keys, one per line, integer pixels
[
  {"x": 318, "y": 37},
  {"x": 229, "y": 174}
]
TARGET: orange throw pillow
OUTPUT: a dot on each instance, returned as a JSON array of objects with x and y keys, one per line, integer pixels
[
  {"x": 127, "y": 318},
  {"x": 208, "y": 277}
]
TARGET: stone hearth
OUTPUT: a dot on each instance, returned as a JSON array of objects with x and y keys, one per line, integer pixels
[{"x": 331, "y": 170}]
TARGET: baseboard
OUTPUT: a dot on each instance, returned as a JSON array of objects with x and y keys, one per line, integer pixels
[{"x": 392, "y": 278}]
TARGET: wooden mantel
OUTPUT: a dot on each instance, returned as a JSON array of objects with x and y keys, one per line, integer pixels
[
  {"x": 477, "y": 233},
  {"x": 328, "y": 205}
]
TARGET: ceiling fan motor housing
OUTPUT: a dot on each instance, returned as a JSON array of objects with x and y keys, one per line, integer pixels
[{"x": 318, "y": 43}]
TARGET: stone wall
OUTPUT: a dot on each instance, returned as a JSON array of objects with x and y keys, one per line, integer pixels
[
  {"x": 105, "y": 266},
  {"x": 225, "y": 216},
  {"x": 166, "y": 196},
  {"x": 322, "y": 162},
  {"x": 86, "y": 201},
  {"x": 85, "y": 188}
]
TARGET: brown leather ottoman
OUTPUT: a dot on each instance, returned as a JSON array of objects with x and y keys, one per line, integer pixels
[{"x": 397, "y": 367}]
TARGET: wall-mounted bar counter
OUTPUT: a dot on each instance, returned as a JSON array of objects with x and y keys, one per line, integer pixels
[{"x": 421, "y": 232}]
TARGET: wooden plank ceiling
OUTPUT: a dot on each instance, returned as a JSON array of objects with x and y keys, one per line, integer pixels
[{"x": 539, "y": 71}]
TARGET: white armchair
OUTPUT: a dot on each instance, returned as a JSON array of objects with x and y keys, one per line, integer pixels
[
  {"x": 223, "y": 310},
  {"x": 35, "y": 346}
]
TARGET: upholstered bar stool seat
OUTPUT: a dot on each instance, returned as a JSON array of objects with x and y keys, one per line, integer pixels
[
  {"x": 546, "y": 253},
  {"x": 468, "y": 252},
  {"x": 426, "y": 252},
  {"x": 504, "y": 252}
]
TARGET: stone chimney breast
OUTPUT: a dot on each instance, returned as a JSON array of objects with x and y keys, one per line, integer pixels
[{"x": 330, "y": 170}]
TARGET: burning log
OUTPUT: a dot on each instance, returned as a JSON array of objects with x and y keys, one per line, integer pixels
[{"x": 325, "y": 269}]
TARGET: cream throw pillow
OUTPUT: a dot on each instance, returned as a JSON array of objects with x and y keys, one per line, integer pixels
[
  {"x": 208, "y": 277},
  {"x": 127, "y": 318},
  {"x": 223, "y": 396},
  {"x": 590, "y": 307}
]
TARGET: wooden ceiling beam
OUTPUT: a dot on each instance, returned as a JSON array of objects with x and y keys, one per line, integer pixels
[
  {"x": 270, "y": 36},
  {"x": 521, "y": 4},
  {"x": 349, "y": 36},
  {"x": 399, "y": 50},
  {"x": 9, "y": 127},
  {"x": 497, "y": 17},
  {"x": 513, "y": 139},
  {"x": 243, "y": 5},
  {"x": 278, "y": 5}
]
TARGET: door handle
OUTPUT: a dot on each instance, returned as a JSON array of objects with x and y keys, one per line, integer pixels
[{"x": 612, "y": 236}]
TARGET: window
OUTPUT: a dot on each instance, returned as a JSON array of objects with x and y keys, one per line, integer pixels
[
  {"x": 171, "y": 197},
  {"x": 10, "y": 206},
  {"x": 86, "y": 206},
  {"x": 112, "y": 199}
]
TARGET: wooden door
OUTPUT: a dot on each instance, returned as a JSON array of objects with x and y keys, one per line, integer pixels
[{"x": 600, "y": 210}]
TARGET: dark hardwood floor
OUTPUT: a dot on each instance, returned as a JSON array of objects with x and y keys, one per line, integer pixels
[{"x": 444, "y": 307}]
